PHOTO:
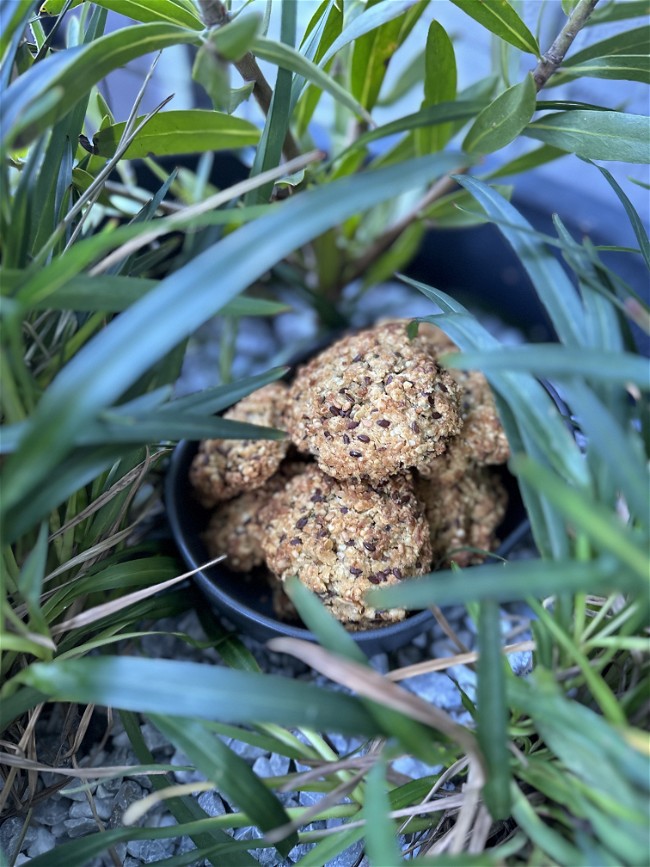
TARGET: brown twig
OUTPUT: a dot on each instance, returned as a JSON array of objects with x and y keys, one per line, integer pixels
[
  {"x": 215, "y": 14},
  {"x": 551, "y": 59}
]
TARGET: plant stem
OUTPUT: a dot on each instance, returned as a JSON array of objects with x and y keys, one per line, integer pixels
[
  {"x": 215, "y": 14},
  {"x": 551, "y": 59}
]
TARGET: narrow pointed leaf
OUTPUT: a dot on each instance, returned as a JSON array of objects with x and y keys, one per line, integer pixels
[
  {"x": 370, "y": 19},
  {"x": 381, "y": 839},
  {"x": 552, "y": 360},
  {"x": 555, "y": 290},
  {"x": 440, "y": 81},
  {"x": 179, "y": 132},
  {"x": 505, "y": 583},
  {"x": 502, "y": 121},
  {"x": 625, "y": 67},
  {"x": 162, "y": 11},
  {"x": 635, "y": 220},
  {"x": 596, "y": 135},
  {"x": 154, "y": 685},
  {"x": 630, "y": 42},
  {"x": 493, "y": 715},
  {"x": 500, "y": 18}
]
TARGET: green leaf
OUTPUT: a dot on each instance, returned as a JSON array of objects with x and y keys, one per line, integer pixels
[
  {"x": 288, "y": 58},
  {"x": 594, "y": 519},
  {"x": 30, "y": 581},
  {"x": 631, "y": 42},
  {"x": 629, "y": 67},
  {"x": 596, "y": 135},
  {"x": 552, "y": 360},
  {"x": 112, "y": 294},
  {"x": 380, "y": 832},
  {"x": 232, "y": 774},
  {"x": 500, "y": 18},
  {"x": 179, "y": 132},
  {"x": 502, "y": 121},
  {"x": 52, "y": 87},
  {"x": 154, "y": 685},
  {"x": 213, "y": 74},
  {"x": 324, "y": 27},
  {"x": 371, "y": 18},
  {"x": 505, "y": 583},
  {"x": 555, "y": 290},
  {"x": 276, "y": 127},
  {"x": 371, "y": 55},
  {"x": 234, "y": 39},
  {"x": 616, "y": 11},
  {"x": 439, "y": 86},
  {"x": 162, "y": 11},
  {"x": 128, "y": 346},
  {"x": 635, "y": 220},
  {"x": 493, "y": 716}
]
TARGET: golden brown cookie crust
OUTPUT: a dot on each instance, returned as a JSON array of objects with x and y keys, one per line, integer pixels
[
  {"x": 482, "y": 439},
  {"x": 342, "y": 538},
  {"x": 463, "y": 514},
  {"x": 234, "y": 528},
  {"x": 372, "y": 405},
  {"x": 222, "y": 469}
]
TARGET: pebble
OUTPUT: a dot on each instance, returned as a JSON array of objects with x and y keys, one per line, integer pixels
[
  {"x": 212, "y": 804},
  {"x": 43, "y": 841},
  {"x": 274, "y": 765},
  {"x": 80, "y": 827},
  {"x": 150, "y": 851}
]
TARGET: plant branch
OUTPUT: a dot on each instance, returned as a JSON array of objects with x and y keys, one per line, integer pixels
[
  {"x": 215, "y": 14},
  {"x": 551, "y": 59}
]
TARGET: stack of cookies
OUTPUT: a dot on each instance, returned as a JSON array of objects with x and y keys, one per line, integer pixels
[{"x": 387, "y": 471}]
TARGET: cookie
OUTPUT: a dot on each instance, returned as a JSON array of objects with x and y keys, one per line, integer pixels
[
  {"x": 224, "y": 468},
  {"x": 234, "y": 528},
  {"x": 463, "y": 515},
  {"x": 373, "y": 405},
  {"x": 342, "y": 538}
]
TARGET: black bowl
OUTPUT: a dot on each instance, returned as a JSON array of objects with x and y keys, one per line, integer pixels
[{"x": 245, "y": 599}]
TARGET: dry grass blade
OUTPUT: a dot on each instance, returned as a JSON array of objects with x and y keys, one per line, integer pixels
[
  {"x": 24, "y": 746},
  {"x": 209, "y": 204},
  {"x": 445, "y": 662},
  {"x": 25, "y": 764},
  {"x": 100, "y": 611},
  {"x": 369, "y": 684},
  {"x": 120, "y": 485},
  {"x": 323, "y": 769},
  {"x": 137, "y": 809},
  {"x": 467, "y": 814}
]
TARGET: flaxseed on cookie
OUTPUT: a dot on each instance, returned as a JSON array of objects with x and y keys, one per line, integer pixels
[
  {"x": 234, "y": 527},
  {"x": 463, "y": 515},
  {"x": 342, "y": 538},
  {"x": 373, "y": 405},
  {"x": 482, "y": 439},
  {"x": 224, "y": 468}
]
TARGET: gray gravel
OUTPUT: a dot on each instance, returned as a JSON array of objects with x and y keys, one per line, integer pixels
[{"x": 68, "y": 814}]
